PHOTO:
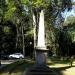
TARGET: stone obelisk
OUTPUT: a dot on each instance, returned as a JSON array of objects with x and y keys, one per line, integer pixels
[
  {"x": 40, "y": 68},
  {"x": 41, "y": 51}
]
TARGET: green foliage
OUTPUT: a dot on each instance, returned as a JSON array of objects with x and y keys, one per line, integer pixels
[
  {"x": 29, "y": 33},
  {"x": 39, "y": 3},
  {"x": 3, "y": 8},
  {"x": 6, "y": 29},
  {"x": 70, "y": 21},
  {"x": 70, "y": 24},
  {"x": 20, "y": 13},
  {"x": 9, "y": 13},
  {"x": 26, "y": 2},
  {"x": 71, "y": 32},
  {"x": 8, "y": 37},
  {"x": 10, "y": 9}
]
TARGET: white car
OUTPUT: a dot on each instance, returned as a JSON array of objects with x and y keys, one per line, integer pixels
[{"x": 16, "y": 55}]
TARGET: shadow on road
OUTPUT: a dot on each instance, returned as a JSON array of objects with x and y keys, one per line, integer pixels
[
  {"x": 59, "y": 70},
  {"x": 45, "y": 70}
]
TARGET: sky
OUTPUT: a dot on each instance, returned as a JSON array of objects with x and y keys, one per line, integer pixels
[
  {"x": 69, "y": 13},
  {"x": 73, "y": 0}
]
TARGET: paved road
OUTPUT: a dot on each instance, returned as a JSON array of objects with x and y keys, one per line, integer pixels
[{"x": 6, "y": 62}]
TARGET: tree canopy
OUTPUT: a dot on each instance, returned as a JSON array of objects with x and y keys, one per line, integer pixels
[{"x": 20, "y": 13}]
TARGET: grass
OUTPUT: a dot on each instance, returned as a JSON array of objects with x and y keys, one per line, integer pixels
[{"x": 17, "y": 68}]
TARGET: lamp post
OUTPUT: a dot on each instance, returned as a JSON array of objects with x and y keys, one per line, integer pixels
[{"x": 30, "y": 49}]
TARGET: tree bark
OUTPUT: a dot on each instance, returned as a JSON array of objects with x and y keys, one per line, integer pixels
[
  {"x": 34, "y": 24},
  {"x": 17, "y": 37},
  {"x": 23, "y": 46}
]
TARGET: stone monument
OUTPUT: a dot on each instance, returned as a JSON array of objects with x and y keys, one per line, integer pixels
[{"x": 40, "y": 68}]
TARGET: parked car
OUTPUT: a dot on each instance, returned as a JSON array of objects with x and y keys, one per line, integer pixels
[{"x": 16, "y": 55}]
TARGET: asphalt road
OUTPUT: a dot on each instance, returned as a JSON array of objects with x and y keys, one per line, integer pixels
[{"x": 5, "y": 62}]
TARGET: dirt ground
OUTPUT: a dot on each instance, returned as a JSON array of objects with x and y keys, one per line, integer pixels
[
  {"x": 69, "y": 71},
  {"x": 63, "y": 69}
]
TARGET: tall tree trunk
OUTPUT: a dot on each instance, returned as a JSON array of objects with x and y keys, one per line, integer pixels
[
  {"x": 23, "y": 43},
  {"x": 34, "y": 23},
  {"x": 0, "y": 59},
  {"x": 17, "y": 37}
]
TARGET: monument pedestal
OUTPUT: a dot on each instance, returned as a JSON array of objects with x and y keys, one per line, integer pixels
[
  {"x": 41, "y": 56},
  {"x": 40, "y": 68}
]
